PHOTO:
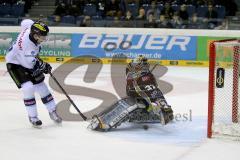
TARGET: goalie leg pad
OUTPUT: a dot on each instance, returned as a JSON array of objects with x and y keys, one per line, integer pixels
[
  {"x": 157, "y": 112},
  {"x": 143, "y": 116},
  {"x": 97, "y": 124},
  {"x": 164, "y": 116},
  {"x": 115, "y": 115}
]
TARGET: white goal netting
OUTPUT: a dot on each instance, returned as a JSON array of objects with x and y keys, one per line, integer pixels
[{"x": 224, "y": 109}]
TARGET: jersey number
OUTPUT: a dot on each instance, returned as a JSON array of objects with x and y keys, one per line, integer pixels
[{"x": 150, "y": 87}]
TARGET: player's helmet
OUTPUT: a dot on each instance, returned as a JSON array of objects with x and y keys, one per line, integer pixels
[{"x": 39, "y": 28}]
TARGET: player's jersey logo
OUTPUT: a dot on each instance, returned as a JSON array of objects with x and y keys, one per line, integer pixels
[
  {"x": 20, "y": 41},
  {"x": 145, "y": 78}
]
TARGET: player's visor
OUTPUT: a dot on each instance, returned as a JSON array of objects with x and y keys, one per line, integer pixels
[{"x": 43, "y": 38}]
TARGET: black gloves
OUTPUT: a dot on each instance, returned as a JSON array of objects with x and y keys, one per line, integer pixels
[{"x": 41, "y": 67}]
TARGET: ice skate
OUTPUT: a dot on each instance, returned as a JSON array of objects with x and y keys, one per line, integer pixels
[
  {"x": 55, "y": 117},
  {"x": 37, "y": 123}
]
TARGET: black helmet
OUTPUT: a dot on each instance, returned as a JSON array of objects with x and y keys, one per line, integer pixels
[{"x": 39, "y": 28}]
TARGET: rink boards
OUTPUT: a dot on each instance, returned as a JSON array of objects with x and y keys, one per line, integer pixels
[{"x": 169, "y": 47}]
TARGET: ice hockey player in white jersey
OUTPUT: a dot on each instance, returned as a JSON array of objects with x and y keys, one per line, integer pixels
[{"x": 27, "y": 69}]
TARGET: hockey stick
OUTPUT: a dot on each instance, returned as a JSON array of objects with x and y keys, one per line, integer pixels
[
  {"x": 70, "y": 100},
  {"x": 154, "y": 67}
]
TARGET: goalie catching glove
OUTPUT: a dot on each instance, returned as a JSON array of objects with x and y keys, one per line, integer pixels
[{"x": 163, "y": 110}]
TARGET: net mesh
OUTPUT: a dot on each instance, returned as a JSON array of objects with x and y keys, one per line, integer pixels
[{"x": 226, "y": 104}]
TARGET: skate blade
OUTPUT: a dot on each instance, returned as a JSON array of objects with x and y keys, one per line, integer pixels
[{"x": 37, "y": 127}]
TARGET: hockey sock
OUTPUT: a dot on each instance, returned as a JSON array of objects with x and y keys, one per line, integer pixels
[
  {"x": 46, "y": 96},
  {"x": 29, "y": 99},
  {"x": 49, "y": 102},
  {"x": 31, "y": 107}
]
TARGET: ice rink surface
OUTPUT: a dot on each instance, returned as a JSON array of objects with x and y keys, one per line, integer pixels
[{"x": 183, "y": 139}]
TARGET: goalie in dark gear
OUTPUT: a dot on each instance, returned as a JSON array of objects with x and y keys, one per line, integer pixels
[
  {"x": 142, "y": 85},
  {"x": 145, "y": 101}
]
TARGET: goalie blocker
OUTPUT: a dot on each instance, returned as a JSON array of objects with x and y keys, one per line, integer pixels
[{"x": 145, "y": 101}]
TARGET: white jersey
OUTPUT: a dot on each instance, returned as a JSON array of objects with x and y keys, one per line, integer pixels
[{"x": 24, "y": 51}]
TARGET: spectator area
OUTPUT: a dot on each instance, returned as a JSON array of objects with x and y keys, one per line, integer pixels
[{"x": 180, "y": 14}]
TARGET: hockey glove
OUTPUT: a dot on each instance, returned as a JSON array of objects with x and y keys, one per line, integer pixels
[
  {"x": 41, "y": 67},
  {"x": 165, "y": 112}
]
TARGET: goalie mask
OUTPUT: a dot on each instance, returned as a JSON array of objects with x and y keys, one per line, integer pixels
[{"x": 139, "y": 64}]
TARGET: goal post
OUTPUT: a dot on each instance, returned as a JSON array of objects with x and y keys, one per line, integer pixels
[{"x": 223, "y": 93}]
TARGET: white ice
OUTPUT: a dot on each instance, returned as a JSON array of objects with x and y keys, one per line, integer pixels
[{"x": 72, "y": 141}]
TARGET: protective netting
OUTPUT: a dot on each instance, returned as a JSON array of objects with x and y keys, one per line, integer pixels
[{"x": 225, "y": 116}]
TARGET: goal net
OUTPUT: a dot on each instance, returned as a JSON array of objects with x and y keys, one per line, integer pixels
[{"x": 223, "y": 103}]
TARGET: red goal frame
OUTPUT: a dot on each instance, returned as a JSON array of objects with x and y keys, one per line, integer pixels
[{"x": 211, "y": 85}]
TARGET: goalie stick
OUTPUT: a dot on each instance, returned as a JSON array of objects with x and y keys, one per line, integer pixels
[
  {"x": 70, "y": 100},
  {"x": 154, "y": 67}
]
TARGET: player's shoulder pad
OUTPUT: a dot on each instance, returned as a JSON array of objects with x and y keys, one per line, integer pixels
[{"x": 26, "y": 23}]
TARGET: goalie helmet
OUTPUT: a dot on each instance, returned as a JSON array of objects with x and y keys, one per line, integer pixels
[{"x": 140, "y": 63}]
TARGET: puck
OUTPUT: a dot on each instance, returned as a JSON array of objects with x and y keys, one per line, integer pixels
[{"x": 145, "y": 127}]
